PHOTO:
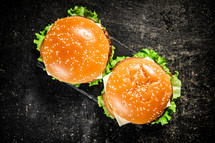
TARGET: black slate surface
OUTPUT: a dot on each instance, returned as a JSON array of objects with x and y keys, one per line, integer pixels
[{"x": 35, "y": 108}]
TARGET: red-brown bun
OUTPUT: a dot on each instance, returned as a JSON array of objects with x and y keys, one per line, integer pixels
[
  {"x": 76, "y": 50},
  {"x": 137, "y": 90}
]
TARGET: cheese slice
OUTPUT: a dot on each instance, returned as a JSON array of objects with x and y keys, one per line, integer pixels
[
  {"x": 99, "y": 77},
  {"x": 99, "y": 25},
  {"x": 168, "y": 104},
  {"x": 48, "y": 72},
  {"x": 148, "y": 59},
  {"x": 121, "y": 121}
]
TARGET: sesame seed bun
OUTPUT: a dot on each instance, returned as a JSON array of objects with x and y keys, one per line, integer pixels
[
  {"x": 137, "y": 90},
  {"x": 76, "y": 50}
]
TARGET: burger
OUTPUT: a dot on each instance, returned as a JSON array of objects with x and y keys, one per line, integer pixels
[
  {"x": 75, "y": 49},
  {"x": 140, "y": 90}
]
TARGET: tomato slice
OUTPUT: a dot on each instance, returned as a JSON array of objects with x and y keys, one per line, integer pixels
[{"x": 107, "y": 105}]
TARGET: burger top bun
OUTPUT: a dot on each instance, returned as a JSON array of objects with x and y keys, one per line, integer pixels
[
  {"x": 75, "y": 50},
  {"x": 137, "y": 91}
]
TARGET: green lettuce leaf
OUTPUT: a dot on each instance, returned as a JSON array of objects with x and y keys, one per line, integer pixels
[
  {"x": 112, "y": 62},
  {"x": 154, "y": 56},
  {"x": 107, "y": 70},
  {"x": 40, "y": 59},
  {"x": 101, "y": 104},
  {"x": 76, "y": 11},
  {"x": 176, "y": 83},
  {"x": 82, "y": 11},
  {"x": 40, "y": 37},
  {"x": 109, "y": 67},
  {"x": 96, "y": 82},
  {"x": 77, "y": 85}
]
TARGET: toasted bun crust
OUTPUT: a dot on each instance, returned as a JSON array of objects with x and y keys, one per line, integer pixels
[
  {"x": 138, "y": 90},
  {"x": 75, "y": 50}
]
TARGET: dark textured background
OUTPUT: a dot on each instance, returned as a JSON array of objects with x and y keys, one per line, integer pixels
[{"x": 35, "y": 108}]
